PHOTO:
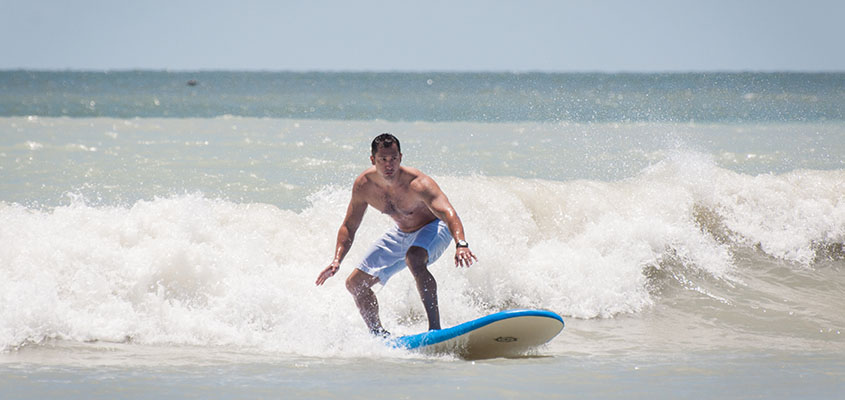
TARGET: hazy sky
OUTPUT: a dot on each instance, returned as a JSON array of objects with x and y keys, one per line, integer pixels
[{"x": 614, "y": 35}]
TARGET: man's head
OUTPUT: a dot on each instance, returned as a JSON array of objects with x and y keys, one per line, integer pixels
[
  {"x": 386, "y": 155},
  {"x": 385, "y": 140}
]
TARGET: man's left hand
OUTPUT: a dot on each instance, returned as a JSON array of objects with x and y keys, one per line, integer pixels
[{"x": 464, "y": 257}]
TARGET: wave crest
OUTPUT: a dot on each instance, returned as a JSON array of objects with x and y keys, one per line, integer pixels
[{"x": 194, "y": 270}]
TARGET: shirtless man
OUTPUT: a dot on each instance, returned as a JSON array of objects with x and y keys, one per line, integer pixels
[{"x": 425, "y": 225}]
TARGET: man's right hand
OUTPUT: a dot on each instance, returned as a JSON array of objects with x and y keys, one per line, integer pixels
[{"x": 328, "y": 272}]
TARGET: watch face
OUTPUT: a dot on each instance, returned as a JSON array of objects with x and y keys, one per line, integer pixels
[{"x": 462, "y": 243}]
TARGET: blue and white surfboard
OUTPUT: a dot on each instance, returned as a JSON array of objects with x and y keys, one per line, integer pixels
[{"x": 510, "y": 333}]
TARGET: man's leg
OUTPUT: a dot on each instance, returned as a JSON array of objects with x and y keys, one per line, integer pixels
[
  {"x": 359, "y": 284},
  {"x": 417, "y": 260}
]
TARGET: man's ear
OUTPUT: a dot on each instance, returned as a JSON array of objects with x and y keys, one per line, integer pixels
[{"x": 373, "y": 160}]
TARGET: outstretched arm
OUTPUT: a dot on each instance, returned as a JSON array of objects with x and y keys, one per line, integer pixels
[
  {"x": 346, "y": 234},
  {"x": 440, "y": 206}
]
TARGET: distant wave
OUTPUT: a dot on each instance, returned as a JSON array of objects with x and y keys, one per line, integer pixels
[{"x": 487, "y": 97}]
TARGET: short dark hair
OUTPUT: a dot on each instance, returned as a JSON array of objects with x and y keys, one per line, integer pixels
[{"x": 384, "y": 141}]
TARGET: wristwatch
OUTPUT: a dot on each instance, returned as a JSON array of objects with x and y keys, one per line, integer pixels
[{"x": 461, "y": 243}]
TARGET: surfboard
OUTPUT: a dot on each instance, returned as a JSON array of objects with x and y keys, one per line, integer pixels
[{"x": 510, "y": 333}]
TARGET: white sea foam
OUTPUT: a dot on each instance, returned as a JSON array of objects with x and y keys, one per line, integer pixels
[{"x": 193, "y": 270}]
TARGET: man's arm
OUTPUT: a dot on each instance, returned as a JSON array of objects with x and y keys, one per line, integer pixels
[
  {"x": 440, "y": 206},
  {"x": 346, "y": 233}
]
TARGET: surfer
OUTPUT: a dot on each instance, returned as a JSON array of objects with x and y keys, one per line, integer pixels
[{"x": 426, "y": 223}]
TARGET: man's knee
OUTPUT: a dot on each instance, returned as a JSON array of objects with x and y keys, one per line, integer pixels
[
  {"x": 417, "y": 259},
  {"x": 359, "y": 281}
]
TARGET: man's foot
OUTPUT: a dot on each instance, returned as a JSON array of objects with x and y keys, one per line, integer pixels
[{"x": 380, "y": 333}]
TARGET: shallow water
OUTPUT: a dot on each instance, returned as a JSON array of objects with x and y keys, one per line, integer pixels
[{"x": 147, "y": 373}]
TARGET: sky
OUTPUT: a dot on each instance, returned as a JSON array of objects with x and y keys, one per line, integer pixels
[{"x": 472, "y": 35}]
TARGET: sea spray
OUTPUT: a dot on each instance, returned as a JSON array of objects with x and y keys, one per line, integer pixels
[{"x": 201, "y": 271}]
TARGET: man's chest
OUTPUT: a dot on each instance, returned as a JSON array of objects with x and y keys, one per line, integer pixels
[{"x": 397, "y": 203}]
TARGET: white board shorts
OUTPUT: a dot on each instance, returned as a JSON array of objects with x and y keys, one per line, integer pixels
[{"x": 386, "y": 256}]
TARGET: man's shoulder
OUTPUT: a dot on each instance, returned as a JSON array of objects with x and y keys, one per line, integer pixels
[
  {"x": 420, "y": 181},
  {"x": 411, "y": 171},
  {"x": 364, "y": 182}
]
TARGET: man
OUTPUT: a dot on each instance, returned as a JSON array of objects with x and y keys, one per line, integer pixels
[{"x": 425, "y": 225}]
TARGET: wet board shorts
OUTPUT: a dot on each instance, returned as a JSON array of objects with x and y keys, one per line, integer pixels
[{"x": 386, "y": 256}]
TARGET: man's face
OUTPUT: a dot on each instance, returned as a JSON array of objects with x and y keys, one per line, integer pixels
[{"x": 387, "y": 161}]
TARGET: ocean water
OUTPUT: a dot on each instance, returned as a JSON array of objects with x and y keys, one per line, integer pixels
[{"x": 160, "y": 239}]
